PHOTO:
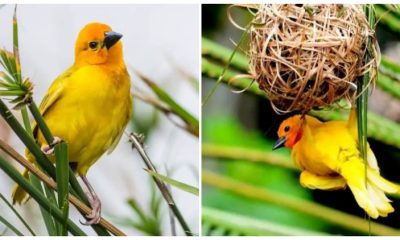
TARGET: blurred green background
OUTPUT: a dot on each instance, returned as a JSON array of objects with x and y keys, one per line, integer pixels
[{"x": 243, "y": 193}]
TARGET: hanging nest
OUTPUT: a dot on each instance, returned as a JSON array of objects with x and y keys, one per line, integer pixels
[{"x": 308, "y": 56}]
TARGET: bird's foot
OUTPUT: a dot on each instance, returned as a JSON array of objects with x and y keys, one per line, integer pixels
[
  {"x": 49, "y": 149},
  {"x": 94, "y": 216}
]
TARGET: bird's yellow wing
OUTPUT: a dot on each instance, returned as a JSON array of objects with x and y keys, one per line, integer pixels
[
  {"x": 53, "y": 94},
  {"x": 352, "y": 127},
  {"x": 114, "y": 143}
]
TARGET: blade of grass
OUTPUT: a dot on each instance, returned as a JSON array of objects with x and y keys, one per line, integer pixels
[
  {"x": 389, "y": 68},
  {"x": 50, "y": 222},
  {"x": 62, "y": 170},
  {"x": 222, "y": 73},
  {"x": 221, "y": 53},
  {"x": 82, "y": 207},
  {"x": 362, "y": 91},
  {"x": 47, "y": 218},
  {"x": 37, "y": 195},
  {"x": 182, "y": 186},
  {"x": 10, "y": 226},
  {"x": 188, "y": 118},
  {"x": 18, "y": 76},
  {"x": 387, "y": 18},
  {"x": 17, "y": 214}
]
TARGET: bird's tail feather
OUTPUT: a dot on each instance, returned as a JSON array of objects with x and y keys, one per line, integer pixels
[
  {"x": 18, "y": 193},
  {"x": 369, "y": 194},
  {"x": 376, "y": 179}
]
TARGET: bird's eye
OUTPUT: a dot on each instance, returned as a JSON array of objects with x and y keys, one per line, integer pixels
[
  {"x": 286, "y": 129},
  {"x": 93, "y": 45}
]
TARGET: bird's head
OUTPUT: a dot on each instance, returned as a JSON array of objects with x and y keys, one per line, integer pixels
[
  {"x": 98, "y": 44},
  {"x": 289, "y": 132}
]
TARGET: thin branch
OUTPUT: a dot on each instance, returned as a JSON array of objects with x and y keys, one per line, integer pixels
[
  {"x": 51, "y": 183},
  {"x": 137, "y": 144}
]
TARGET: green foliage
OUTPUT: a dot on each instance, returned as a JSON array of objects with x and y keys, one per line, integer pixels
[
  {"x": 147, "y": 222},
  {"x": 216, "y": 223},
  {"x": 183, "y": 186},
  {"x": 10, "y": 206},
  {"x": 191, "y": 123}
]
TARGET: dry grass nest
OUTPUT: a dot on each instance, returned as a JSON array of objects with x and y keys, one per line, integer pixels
[{"x": 308, "y": 56}]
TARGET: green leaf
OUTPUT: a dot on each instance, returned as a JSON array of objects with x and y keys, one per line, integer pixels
[
  {"x": 62, "y": 170},
  {"x": 10, "y": 226},
  {"x": 183, "y": 186},
  {"x": 189, "y": 119},
  {"x": 47, "y": 218},
  {"x": 18, "y": 77},
  {"x": 134, "y": 205},
  {"x": 17, "y": 214},
  {"x": 38, "y": 196}
]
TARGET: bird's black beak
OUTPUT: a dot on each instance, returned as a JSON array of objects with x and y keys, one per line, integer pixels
[
  {"x": 279, "y": 143},
  {"x": 111, "y": 38}
]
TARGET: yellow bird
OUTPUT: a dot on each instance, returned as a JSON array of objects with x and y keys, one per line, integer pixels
[
  {"x": 329, "y": 159},
  {"x": 88, "y": 106}
]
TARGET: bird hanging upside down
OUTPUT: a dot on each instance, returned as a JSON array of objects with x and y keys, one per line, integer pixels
[
  {"x": 88, "y": 106},
  {"x": 329, "y": 159}
]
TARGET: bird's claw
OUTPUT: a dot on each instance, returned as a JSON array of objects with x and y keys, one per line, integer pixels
[
  {"x": 49, "y": 149},
  {"x": 94, "y": 216}
]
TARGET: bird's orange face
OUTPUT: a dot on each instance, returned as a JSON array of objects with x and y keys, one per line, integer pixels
[
  {"x": 289, "y": 132},
  {"x": 97, "y": 44}
]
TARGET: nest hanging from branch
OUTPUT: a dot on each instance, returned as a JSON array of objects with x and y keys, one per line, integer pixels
[{"x": 308, "y": 56}]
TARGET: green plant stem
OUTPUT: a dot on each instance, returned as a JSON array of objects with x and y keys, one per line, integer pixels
[
  {"x": 42, "y": 160},
  {"x": 25, "y": 119},
  {"x": 10, "y": 226},
  {"x": 47, "y": 218},
  {"x": 213, "y": 71},
  {"x": 38, "y": 196},
  {"x": 41, "y": 123},
  {"x": 192, "y": 123},
  {"x": 389, "y": 68},
  {"x": 51, "y": 224},
  {"x": 62, "y": 167},
  {"x": 49, "y": 182},
  {"x": 26, "y": 139},
  {"x": 310, "y": 208},
  {"x": 244, "y": 225},
  {"x": 222, "y": 73},
  {"x": 241, "y": 153},
  {"x": 389, "y": 85},
  {"x": 387, "y": 18},
  {"x": 161, "y": 186},
  {"x": 17, "y": 214},
  {"x": 223, "y": 54}
]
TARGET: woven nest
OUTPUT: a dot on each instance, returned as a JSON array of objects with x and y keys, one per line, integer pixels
[{"x": 308, "y": 56}]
